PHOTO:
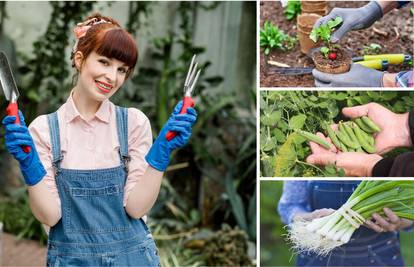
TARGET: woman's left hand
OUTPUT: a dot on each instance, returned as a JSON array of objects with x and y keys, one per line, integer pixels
[
  {"x": 389, "y": 223},
  {"x": 159, "y": 155}
]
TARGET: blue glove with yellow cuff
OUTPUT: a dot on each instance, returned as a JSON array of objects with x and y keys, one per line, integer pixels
[
  {"x": 16, "y": 137},
  {"x": 159, "y": 154}
]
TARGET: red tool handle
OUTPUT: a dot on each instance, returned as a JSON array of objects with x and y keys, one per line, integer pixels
[
  {"x": 187, "y": 102},
  {"x": 13, "y": 110}
]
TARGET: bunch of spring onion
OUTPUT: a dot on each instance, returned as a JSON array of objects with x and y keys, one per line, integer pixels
[{"x": 322, "y": 235}]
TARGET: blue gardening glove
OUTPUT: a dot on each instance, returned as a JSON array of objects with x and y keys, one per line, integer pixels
[
  {"x": 16, "y": 137},
  {"x": 357, "y": 76},
  {"x": 353, "y": 19},
  {"x": 159, "y": 154}
]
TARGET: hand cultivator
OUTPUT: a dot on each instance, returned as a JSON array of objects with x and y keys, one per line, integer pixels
[{"x": 189, "y": 84}]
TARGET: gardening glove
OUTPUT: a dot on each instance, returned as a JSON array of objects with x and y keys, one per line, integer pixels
[
  {"x": 357, "y": 76},
  {"x": 353, "y": 19},
  {"x": 159, "y": 154},
  {"x": 17, "y": 136}
]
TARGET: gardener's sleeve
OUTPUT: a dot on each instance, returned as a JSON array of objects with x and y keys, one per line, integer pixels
[
  {"x": 402, "y": 3},
  {"x": 139, "y": 142},
  {"x": 405, "y": 79},
  {"x": 401, "y": 165},
  {"x": 295, "y": 199}
]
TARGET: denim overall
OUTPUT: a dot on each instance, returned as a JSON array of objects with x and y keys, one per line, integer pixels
[
  {"x": 366, "y": 248},
  {"x": 94, "y": 229}
]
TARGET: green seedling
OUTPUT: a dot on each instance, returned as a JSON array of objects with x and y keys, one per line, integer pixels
[
  {"x": 373, "y": 48},
  {"x": 292, "y": 9},
  {"x": 324, "y": 33},
  {"x": 271, "y": 37}
]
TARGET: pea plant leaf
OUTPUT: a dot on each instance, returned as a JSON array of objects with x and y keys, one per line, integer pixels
[{"x": 297, "y": 122}]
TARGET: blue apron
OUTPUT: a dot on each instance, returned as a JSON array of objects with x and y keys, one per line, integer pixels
[
  {"x": 366, "y": 247},
  {"x": 95, "y": 229}
]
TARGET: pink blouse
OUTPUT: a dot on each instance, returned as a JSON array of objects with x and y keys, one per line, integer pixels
[{"x": 93, "y": 144}]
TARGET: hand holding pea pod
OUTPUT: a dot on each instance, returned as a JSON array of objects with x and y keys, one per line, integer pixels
[
  {"x": 355, "y": 164},
  {"x": 394, "y": 131}
]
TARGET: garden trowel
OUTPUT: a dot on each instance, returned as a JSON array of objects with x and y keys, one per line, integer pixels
[
  {"x": 10, "y": 90},
  {"x": 378, "y": 62}
]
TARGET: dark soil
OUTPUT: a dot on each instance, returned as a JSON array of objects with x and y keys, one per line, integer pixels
[
  {"x": 341, "y": 60},
  {"x": 397, "y": 25}
]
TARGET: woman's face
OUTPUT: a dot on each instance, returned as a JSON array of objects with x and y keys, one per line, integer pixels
[{"x": 100, "y": 76}]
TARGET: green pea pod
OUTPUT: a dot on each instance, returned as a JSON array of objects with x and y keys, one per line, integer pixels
[
  {"x": 367, "y": 136},
  {"x": 348, "y": 128},
  {"x": 364, "y": 142},
  {"x": 343, "y": 136},
  {"x": 345, "y": 140},
  {"x": 371, "y": 124},
  {"x": 359, "y": 149},
  {"x": 314, "y": 138},
  {"x": 333, "y": 137},
  {"x": 363, "y": 126}
]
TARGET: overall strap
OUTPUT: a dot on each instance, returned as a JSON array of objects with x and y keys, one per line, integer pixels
[
  {"x": 122, "y": 127},
  {"x": 53, "y": 122}
]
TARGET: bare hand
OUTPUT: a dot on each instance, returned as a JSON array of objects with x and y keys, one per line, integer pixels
[
  {"x": 355, "y": 164},
  {"x": 395, "y": 131},
  {"x": 391, "y": 222}
]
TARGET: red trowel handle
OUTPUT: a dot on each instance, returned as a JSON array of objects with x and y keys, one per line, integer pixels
[
  {"x": 13, "y": 110},
  {"x": 187, "y": 102}
]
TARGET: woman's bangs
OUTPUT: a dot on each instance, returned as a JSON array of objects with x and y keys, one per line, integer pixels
[{"x": 117, "y": 44}]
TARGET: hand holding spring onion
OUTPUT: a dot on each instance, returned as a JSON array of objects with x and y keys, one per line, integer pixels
[
  {"x": 324, "y": 234},
  {"x": 388, "y": 223}
]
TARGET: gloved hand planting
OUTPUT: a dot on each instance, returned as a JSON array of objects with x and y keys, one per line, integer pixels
[
  {"x": 353, "y": 18},
  {"x": 357, "y": 76},
  {"x": 159, "y": 154},
  {"x": 16, "y": 137}
]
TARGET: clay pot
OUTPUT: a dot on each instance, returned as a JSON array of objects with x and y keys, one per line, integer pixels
[
  {"x": 341, "y": 65},
  {"x": 305, "y": 24},
  {"x": 314, "y": 7}
]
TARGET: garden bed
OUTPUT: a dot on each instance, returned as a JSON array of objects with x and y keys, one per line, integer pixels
[{"x": 397, "y": 25}]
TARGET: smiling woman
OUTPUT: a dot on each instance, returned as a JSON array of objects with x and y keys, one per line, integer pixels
[{"x": 92, "y": 173}]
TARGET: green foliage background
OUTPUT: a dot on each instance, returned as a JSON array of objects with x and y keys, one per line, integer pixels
[
  {"x": 281, "y": 112},
  {"x": 274, "y": 250}
]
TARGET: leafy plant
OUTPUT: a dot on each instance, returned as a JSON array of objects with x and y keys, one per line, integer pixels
[
  {"x": 271, "y": 37},
  {"x": 292, "y": 9},
  {"x": 17, "y": 217},
  {"x": 324, "y": 33},
  {"x": 372, "y": 48}
]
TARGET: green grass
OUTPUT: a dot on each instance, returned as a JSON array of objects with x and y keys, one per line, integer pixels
[{"x": 274, "y": 251}]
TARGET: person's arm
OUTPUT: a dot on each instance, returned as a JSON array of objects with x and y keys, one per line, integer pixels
[
  {"x": 294, "y": 200},
  {"x": 145, "y": 192},
  {"x": 387, "y": 6},
  {"x": 44, "y": 197},
  {"x": 44, "y": 203}
]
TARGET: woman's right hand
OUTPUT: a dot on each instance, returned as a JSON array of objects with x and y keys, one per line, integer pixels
[{"x": 17, "y": 136}]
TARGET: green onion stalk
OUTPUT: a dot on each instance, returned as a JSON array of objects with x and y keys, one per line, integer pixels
[{"x": 324, "y": 234}]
